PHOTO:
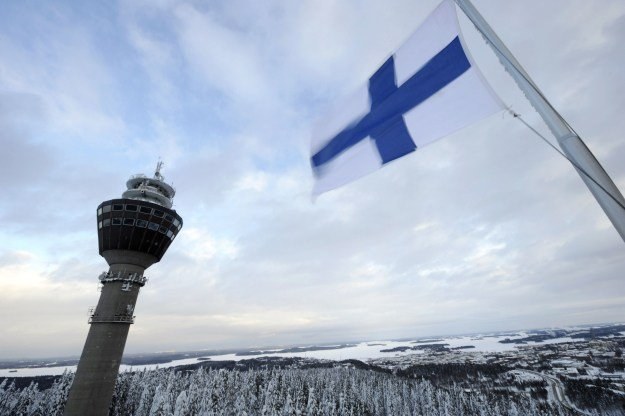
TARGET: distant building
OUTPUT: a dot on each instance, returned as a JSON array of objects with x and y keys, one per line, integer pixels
[
  {"x": 613, "y": 376},
  {"x": 566, "y": 362}
]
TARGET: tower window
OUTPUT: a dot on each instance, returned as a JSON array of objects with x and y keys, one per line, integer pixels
[
  {"x": 118, "y": 207},
  {"x": 116, "y": 221},
  {"x": 162, "y": 230},
  {"x": 142, "y": 223},
  {"x": 106, "y": 208},
  {"x": 100, "y": 225},
  {"x": 176, "y": 222},
  {"x": 130, "y": 207},
  {"x": 129, "y": 221},
  {"x": 99, "y": 211},
  {"x": 158, "y": 213},
  {"x": 169, "y": 217},
  {"x": 146, "y": 210},
  {"x": 169, "y": 233},
  {"x": 106, "y": 222},
  {"x": 152, "y": 226}
]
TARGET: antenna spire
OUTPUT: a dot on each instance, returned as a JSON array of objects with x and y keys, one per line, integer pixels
[{"x": 157, "y": 173}]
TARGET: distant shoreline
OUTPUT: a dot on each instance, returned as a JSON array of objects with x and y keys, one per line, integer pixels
[{"x": 501, "y": 341}]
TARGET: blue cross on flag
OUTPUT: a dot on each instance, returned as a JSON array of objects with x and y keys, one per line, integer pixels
[{"x": 426, "y": 90}]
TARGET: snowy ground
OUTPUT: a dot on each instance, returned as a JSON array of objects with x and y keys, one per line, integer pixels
[{"x": 362, "y": 351}]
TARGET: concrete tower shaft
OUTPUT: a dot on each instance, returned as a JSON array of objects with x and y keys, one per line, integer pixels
[{"x": 134, "y": 232}]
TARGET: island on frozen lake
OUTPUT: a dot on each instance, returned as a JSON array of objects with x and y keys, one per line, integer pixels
[{"x": 562, "y": 371}]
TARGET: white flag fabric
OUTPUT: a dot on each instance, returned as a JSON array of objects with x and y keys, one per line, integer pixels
[{"x": 427, "y": 89}]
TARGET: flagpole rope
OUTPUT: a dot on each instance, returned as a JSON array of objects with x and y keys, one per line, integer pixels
[
  {"x": 575, "y": 165},
  {"x": 502, "y": 55}
]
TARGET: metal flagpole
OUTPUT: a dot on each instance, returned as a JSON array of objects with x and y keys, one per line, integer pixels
[{"x": 575, "y": 149}]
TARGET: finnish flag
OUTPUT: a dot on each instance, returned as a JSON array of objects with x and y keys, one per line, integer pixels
[{"x": 428, "y": 89}]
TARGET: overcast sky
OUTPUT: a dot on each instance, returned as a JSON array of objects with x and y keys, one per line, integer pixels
[{"x": 487, "y": 229}]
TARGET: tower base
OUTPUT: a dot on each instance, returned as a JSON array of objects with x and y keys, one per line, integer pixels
[{"x": 94, "y": 383}]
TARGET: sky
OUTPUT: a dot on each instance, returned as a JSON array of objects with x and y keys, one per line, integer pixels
[{"x": 488, "y": 229}]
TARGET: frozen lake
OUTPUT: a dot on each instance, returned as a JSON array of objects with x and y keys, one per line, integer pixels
[{"x": 362, "y": 351}]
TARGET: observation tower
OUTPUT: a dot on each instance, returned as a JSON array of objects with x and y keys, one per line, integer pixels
[{"x": 134, "y": 232}]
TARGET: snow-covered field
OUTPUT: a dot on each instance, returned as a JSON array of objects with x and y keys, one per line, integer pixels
[{"x": 362, "y": 351}]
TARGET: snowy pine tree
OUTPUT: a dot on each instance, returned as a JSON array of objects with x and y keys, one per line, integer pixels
[{"x": 279, "y": 392}]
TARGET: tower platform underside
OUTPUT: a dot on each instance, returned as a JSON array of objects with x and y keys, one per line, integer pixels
[{"x": 138, "y": 226}]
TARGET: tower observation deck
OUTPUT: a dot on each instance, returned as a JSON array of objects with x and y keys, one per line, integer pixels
[{"x": 134, "y": 232}]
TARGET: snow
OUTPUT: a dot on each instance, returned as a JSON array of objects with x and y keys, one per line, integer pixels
[
  {"x": 556, "y": 341},
  {"x": 362, "y": 351},
  {"x": 521, "y": 375},
  {"x": 35, "y": 371}
]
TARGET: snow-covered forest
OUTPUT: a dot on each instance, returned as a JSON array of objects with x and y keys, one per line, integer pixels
[{"x": 316, "y": 391}]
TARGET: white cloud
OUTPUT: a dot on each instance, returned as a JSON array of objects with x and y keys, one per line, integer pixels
[
  {"x": 201, "y": 246},
  {"x": 256, "y": 182},
  {"x": 487, "y": 229},
  {"x": 69, "y": 76},
  {"x": 226, "y": 59}
]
